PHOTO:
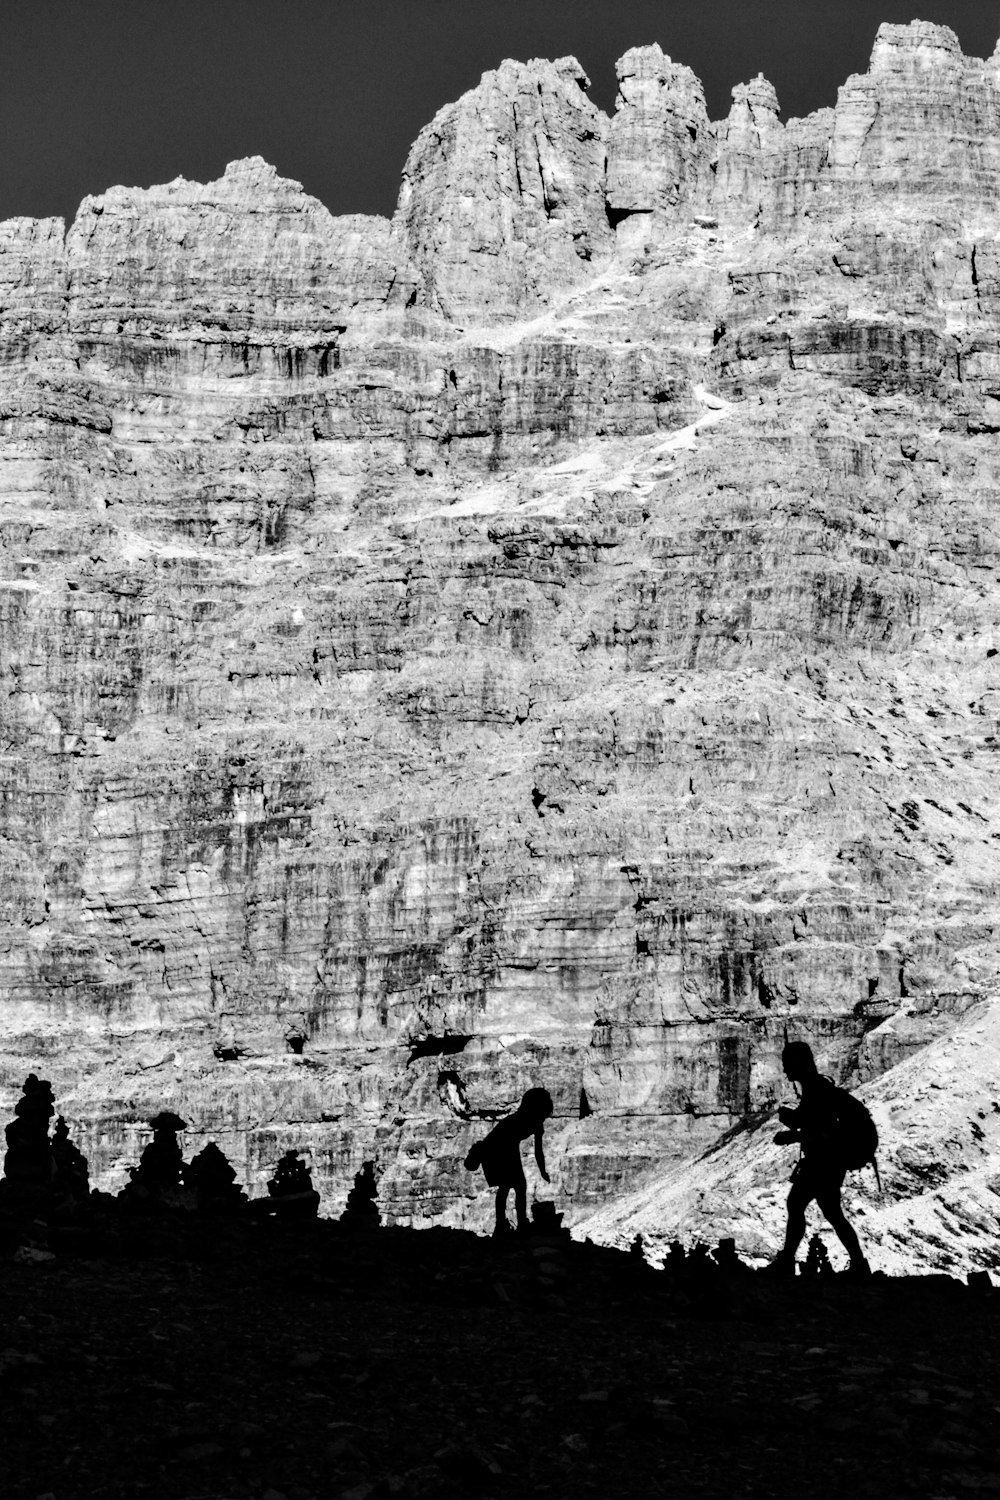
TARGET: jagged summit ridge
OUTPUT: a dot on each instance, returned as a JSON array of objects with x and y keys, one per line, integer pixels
[
  {"x": 924, "y": 118},
  {"x": 510, "y": 196}
]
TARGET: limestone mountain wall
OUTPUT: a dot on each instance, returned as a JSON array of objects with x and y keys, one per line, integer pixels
[{"x": 547, "y": 638}]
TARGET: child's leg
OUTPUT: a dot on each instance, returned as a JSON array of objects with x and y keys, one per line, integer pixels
[
  {"x": 521, "y": 1201},
  {"x": 501, "y": 1204}
]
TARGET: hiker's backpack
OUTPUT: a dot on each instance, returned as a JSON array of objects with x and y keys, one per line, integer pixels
[
  {"x": 857, "y": 1135},
  {"x": 474, "y": 1160}
]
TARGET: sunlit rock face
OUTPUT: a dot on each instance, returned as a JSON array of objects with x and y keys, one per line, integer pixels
[
  {"x": 660, "y": 141},
  {"x": 546, "y": 639},
  {"x": 503, "y": 195}
]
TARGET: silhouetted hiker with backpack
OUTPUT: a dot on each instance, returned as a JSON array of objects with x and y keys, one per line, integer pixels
[
  {"x": 836, "y": 1133},
  {"x": 499, "y": 1155}
]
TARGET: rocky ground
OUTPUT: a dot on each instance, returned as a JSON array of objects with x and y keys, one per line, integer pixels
[{"x": 187, "y": 1360}]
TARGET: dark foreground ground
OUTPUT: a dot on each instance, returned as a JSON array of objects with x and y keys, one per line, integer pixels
[{"x": 229, "y": 1361}]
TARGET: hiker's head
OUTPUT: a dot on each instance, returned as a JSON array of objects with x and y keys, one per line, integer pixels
[
  {"x": 536, "y": 1104},
  {"x": 798, "y": 1061}
]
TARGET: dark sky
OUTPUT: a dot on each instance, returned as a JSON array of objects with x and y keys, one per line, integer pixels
[{"x": 332, "y": 92}]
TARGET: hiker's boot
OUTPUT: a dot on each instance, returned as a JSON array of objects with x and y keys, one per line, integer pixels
[
  {"x": 859, "y": 1269},
  {"x": 782, "y": 1266}
]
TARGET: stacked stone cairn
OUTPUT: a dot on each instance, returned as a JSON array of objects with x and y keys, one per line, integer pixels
[
  {"x": 212, "y": 1179},
  {"x": 727, "y": 1260},
  {"x": 817, "y": 1261},
  {"x": 45, "y": 1181},
  {"x": 291, "y": 1194},
  {"x": 699, "y": 1262},
  {"x": 159, "y": 1177},
  {"x": 547, "y": 1221},
  {"x": 71, "y": 1178},
  {"x": 676, "y": 1257},
  {"x": 27, "y": 1165},
  {"x": 362, "y": 1211}
]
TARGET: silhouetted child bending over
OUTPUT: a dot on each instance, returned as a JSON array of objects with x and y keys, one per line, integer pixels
[
  {"x": 820, "y": 1173},
  {"x": 499, "y": 1155}
]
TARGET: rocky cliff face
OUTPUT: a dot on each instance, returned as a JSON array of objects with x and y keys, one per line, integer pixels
[
  {"x": 933, "y": 1204},
  {"x": 549, "y": 638},
  {"x": 503, "y": 195}
]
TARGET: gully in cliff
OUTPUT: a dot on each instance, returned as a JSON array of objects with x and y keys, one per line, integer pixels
[
  {"x": 836, "y": 1133},
  {"x": 499, "y": 1155}
]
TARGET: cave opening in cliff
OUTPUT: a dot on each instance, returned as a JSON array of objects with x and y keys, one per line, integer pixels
[
  {"x": 618, "y": 216},
  {"x": 437, "y": 1046},
  {"x": 227, "y": 1053}
]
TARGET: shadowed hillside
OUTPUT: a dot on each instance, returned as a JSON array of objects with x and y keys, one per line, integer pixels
[{"x": 266, "y": 1360}]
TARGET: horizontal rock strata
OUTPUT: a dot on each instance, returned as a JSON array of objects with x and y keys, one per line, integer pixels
[{"x": 549, "y": 638}]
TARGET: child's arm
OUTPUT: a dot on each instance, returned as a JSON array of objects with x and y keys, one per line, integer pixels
[{"x": 540, "y": 1155}]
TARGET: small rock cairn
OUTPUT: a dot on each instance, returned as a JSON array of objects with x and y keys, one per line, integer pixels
[
  {"x": 159, "y": 1177},
  {"x": 29, "y": 1170},
  {"x": 213, "y": 1181},
  {"x": 290, "y": 1190},
  {"x": 45, "y": 1181},
  {"x": 361, "y": 1211}
]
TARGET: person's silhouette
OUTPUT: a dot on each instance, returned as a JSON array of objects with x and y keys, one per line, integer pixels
[
  {"x": 499, "y": 1155},
  {"x": 822, "y": 1168}
]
